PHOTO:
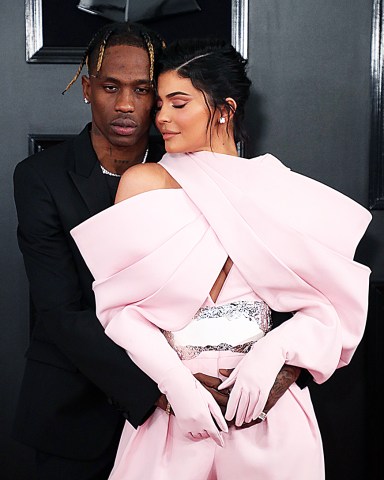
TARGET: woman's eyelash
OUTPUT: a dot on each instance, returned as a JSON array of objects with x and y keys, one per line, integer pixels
[{"x": 179, "y": 106}]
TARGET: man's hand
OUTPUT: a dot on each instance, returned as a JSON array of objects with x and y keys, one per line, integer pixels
[
  {"x": 287, "y": 375},
  {"x": 211, "y": 384},
  {"x": 162, "y": 402}
]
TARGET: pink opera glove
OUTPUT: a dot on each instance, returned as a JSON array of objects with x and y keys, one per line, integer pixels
[
  {"x": 252, "y": 381},
  {"x": 195, "y": 408}
]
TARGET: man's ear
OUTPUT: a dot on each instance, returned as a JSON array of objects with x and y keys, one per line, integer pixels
[{"x": 86, "y": 84}]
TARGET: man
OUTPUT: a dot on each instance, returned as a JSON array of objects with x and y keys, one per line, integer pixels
[{"x": 79, "y": 387}]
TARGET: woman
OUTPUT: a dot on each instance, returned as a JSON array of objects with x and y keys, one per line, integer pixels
[{"x": 219, "y": 240}]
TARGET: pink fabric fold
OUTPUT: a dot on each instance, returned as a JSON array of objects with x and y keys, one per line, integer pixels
[
  {"x": 157, "y": 255},
  {"x": 293, "y": 239}
]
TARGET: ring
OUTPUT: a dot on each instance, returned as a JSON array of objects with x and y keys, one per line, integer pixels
[
  {"x": 262, "y": 416},
  {"x": 168, "y": 409}
]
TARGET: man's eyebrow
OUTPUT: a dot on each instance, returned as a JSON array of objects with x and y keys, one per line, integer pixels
[{"x": 139, "y": 81}]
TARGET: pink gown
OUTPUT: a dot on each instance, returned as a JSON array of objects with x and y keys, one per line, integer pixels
[{"x": 155, "y": 258}]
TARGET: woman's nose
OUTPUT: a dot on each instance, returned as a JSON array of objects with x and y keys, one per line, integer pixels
[{"x": 162, "y": 116}]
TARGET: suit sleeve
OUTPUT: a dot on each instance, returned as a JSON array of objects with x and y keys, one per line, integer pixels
[{"x": 63, "y": 316}]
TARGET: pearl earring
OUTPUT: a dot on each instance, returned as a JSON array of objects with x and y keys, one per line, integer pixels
[
  {"x": 86, "y": 100},
  {"x": 222, "y": 120}
]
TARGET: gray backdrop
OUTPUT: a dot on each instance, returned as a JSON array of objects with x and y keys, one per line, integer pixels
[{"x": 310, "y": 66}]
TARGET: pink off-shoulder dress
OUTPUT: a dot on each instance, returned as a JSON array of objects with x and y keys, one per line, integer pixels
[{"x": 155, "y": 258}]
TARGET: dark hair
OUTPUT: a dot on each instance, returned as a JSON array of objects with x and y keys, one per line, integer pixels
[
  {"x": 216, "y": 69},
  {"x": 119, "y": 33}
]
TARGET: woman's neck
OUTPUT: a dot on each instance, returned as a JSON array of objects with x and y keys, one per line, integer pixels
[{"x": 227, "y": 146}]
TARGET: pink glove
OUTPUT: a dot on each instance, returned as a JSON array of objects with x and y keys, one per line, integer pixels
[
  {"x": 195, "y": 409},
  {"x": 252, "y": 381},
  {"x": 302, "y": 341}
]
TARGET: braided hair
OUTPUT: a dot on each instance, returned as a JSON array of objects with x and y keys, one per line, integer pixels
[{"x": 119, "y": 33}]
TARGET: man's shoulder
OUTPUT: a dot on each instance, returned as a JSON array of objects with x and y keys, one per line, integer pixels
[
  {"x": 43, "y": 156},
  {"x": 54, "y": 157}
]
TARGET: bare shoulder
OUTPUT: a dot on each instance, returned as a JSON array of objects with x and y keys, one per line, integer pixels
[{"x": 143, "y": 178}]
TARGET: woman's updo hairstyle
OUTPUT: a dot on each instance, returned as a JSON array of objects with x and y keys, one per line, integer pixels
[{"x": 216, "y": 69}]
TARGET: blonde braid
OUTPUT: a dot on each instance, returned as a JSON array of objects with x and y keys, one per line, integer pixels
[
  {"x": 151, "y": 54},
  {"x": 104, "y": 35},
  {"x": 84, "y": 61},
  {"x": 102, "y": 50}
]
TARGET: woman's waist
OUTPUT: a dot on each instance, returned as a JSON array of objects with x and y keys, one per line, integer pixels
[{"x": 233, "y": 326}]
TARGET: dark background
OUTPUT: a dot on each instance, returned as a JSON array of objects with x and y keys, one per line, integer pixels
[
  {"x": 310, "y": 106},
  {"x": 209, "y": 20}
]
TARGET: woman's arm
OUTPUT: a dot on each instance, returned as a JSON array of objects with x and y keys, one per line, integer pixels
[{"x": 193, "y": 405}]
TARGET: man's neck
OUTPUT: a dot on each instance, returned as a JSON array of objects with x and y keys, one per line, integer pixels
[{"x": 119, "y": 159}]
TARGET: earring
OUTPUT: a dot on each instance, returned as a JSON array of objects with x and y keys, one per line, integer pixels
[
  {"x": 86, "y": 100},
  {"x": 222, "y": 120}
]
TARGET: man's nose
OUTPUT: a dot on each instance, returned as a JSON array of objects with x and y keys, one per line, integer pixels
[{"x": 125, "y": 101}]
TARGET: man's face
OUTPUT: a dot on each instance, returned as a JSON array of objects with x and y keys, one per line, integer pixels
[{"x": 121, "y": 96}]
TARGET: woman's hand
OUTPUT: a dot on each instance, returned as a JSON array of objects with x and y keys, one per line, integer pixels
[
  {"x": 197, "y": 414},
  {"x": 285, "y": 378},
  {"x": 252, "y": 380}
]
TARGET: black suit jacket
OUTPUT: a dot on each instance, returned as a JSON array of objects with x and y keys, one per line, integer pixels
[{"x": 77, "y": 382}]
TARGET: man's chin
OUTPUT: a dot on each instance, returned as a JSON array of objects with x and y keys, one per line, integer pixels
[{"x": 123, "y": 140}]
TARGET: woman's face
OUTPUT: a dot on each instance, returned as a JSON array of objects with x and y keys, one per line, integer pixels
[{"x": 183, "y": 117}]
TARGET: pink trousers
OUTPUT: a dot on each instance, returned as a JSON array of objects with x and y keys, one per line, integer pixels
[{"x": 286, "y": 446}]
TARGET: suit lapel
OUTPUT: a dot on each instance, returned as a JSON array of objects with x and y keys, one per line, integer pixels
[{"x": 87, "y": 175}]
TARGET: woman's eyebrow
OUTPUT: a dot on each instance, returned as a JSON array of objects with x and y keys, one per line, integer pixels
[{"x": 173, "y": 94}]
